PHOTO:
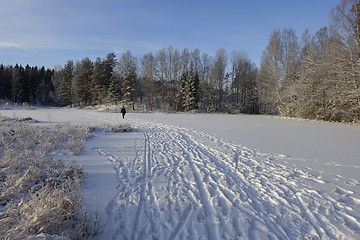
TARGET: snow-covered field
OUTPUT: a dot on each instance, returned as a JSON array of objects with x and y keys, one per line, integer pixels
[{"x": 202, "y": 176}]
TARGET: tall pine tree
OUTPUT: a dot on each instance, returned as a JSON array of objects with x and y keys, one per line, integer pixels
[
  {"x": 103, "y": 75},
  {"x": 83, "y": 77},
  {"x": 97, "y": 85},
  {"x": 65, "y": 84},
  {"x": 127, "y": 66}
]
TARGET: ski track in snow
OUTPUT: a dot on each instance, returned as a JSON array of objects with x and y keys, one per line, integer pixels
[
  {"x": 179, "y": 183},
  {"x": 185, "y": 184}
]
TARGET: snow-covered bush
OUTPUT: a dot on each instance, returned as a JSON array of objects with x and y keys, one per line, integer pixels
[
  {"x": 113, "y": 128},
  {"x": 38, "y": 193}
]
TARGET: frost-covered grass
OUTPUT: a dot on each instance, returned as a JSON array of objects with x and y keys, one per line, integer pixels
[
  {"x": 112, "y": 128},
  {"x": 116, "y": 108},
  {"x": 39, "y": 194}
]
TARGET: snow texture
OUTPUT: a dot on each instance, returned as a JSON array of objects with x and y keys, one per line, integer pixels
[{"x": 190, "y": 176}]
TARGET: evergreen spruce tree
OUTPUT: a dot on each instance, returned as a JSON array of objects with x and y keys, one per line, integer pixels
[
  {"x": 47, "y": 88},
  {"x": 189, "y": 95},
  {"x": 129, "y": 85},
  {"x": 103, "y": 75},
  {"x": 35, "y": 79},
  {"x": 2, "y": 82},
  {"x": 65, "y": 84},
  {"x": 83, "y": 77},
  {"x": 194, "y": 91},
  {"x": 187, "y": 91},
  {"x": 181, "y": 96},
  {"x": 16, "y": 79},
  {"x": 112, "y": 95},
  {"x": 127, "y": 66},
  {"x": 108, "y": 70},
  {"x": 97, "y": 85},
  {"x": 25, "y": 83},
  {"x": 5, "y": 82}
]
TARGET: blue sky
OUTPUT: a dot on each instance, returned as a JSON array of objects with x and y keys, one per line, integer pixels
[{"x": 50, "y": 32}]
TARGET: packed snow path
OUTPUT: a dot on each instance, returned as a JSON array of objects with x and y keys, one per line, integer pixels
[{"x": 184, "y": 184}]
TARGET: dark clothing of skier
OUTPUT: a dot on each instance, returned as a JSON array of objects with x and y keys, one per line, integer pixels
[{"x": 123, "y": 111}]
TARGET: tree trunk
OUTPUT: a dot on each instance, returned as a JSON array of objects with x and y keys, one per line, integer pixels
[{"x": 357, "y": 22}]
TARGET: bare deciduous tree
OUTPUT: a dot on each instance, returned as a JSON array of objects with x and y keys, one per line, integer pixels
[
  {"x": 346, "y": 29},
  {"x": 271, "y": 75},
  {"x": 148, "y": 79},
  {"x": 243, "y": 82},
  {"x": 218, "y": 75}
]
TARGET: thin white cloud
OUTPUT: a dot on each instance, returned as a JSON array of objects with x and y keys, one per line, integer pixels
[{"x": 9, "y": 45}]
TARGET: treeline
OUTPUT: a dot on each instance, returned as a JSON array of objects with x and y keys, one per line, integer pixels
[
  {"x": 316, "y": 77},
  {"x": 169, "y": 80},
  {"x": 26, "y": 84}
]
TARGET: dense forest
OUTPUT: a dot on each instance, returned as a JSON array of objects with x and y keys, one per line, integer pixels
[
  {"x": 26, "y": 84},
  {"x": 314, "y": 77}
]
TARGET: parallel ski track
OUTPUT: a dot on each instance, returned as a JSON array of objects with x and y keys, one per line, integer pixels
[{"x": 184, "y": 184}]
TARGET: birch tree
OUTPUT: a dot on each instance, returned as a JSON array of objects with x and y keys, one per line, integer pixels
[
  {"x": 278, "y": 72},
  {"x": 290, "y": 63},
  {"x": 314, "y": 77},
  {"x": 244, "y": 83},
  {"x": 218, "y": 75},
  {"x": 148, "y": 78},
  {"x": 207, "y": 94},
  {"x": 346, "y": 29},
  {"x": 271, "y": 75}
]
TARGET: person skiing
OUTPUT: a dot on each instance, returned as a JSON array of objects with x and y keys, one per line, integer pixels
[{"x": 123, "y": 111}]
